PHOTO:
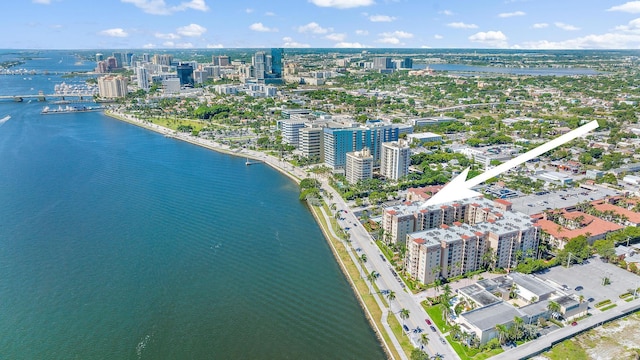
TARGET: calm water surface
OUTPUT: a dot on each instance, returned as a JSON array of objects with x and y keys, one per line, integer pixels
[{"x": 118, "y": 243}]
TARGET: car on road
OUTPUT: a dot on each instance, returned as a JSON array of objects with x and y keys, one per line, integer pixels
[
  {"x": 432, "y": 328},
  {"x": 406, "y": 328},
  {"x": 574, "y": 323},
  {"x": 579, "y": 288},
  {"x": 442, "y": 340},
  {"x": 591, "y": 300},
  {"x": 428, "y": 321},
  {"x": 382, "y": 257}
]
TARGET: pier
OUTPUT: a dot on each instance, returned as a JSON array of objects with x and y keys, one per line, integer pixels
[{"x": 45, "y": 97}]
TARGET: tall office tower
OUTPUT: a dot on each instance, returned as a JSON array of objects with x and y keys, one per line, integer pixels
[
  {"x": 223, "y": 60},
  {"x": 99, "y": 57},
  {"x": 162, "y": 59},
  {"x": 143, "y": 78},
  {"x": 382, "y": 63},
  {"x": 112, "y": 63},
  {"x": 185, "y": 74},
  {"x": 395, "y": 159},
  {"x": 276, "y": 62},
  {"x": 120, "y": 59},
  {"x": 267, "y": 65},
  {"x": 359, "y": 166},
  {"x": 215, "y": 60},
  {"x": 103, "y": 67},
  {"x": 339, "y": 141},
  {"x": 407, "y": 63},
  {"x": 112, "y": 86},
  {"x": 146, "y": 57},
  {"x": 128, "y": 58},
  {"x": 259, "y": 64}
]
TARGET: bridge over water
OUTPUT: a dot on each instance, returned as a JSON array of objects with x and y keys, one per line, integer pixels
[{"x": 46, "y": 97}]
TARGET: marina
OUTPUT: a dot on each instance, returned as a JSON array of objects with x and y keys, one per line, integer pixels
[{"x": 70, "y": 109}]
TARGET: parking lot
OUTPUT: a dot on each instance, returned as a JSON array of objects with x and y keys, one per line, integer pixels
[
  {"x": 534, "y": 204},
  {"x": 590, "y": 276}
]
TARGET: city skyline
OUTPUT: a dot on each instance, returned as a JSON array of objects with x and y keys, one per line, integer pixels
[{"x": 175, "y": 24}]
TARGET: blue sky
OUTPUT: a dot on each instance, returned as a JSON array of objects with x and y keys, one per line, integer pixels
[{"x": 525, "y": 24}]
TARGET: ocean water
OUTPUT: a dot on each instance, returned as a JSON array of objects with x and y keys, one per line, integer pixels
[{"x": 119, "y": 243}]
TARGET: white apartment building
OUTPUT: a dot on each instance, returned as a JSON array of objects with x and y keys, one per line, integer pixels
[
  {"x": 395, "y": 159},
  {"x": 463, "y": 233},
  {"x": 112, "y": 86},
  {"x": 359, "y": 166},
  {"x": 310, "y": 143}
]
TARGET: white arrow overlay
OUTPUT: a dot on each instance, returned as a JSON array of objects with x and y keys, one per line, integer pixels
[{"x": 460, "y": 188}]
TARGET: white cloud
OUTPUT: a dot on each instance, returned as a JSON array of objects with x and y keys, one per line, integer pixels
[
  {"x": 290, "y": 43},
  {"x": 438, "y": 36},
  {"x": 191, "y": 30},
  {"x": 398, "y": 34},
  {"x": 490, "y": 38},
  {"x": 159, "y": 7},
  {"x": 248, "y": 10},
  {"x": 593, "y": 41},
  {"x": 336, "y": 37},
  {"x": 45, "y": 2},
  {"x": 540, "y": 25},
  {"x": 342, "y": 4},
  {"x": 314, "y": 28},
  {"x": 269, "y": 13},
  {"x": 149, "y": 46},
  {"x": 393, "y": 38},
  {"x": 261, "y": 28},
  {"x": 56, "y": 26},
  {"x": 566, "y": 27},
  {"x": 632, "y": 7},
  {"x": 186, "y": 45},
  {"x": 168, "y": 36},
  {"x": 633, "y": 25},
  {"x": 168, "y": 44},
  {"x": 381, "y": 18},
  {"x": 425, "y": 47},
  {"x": 116, "y": 32},
  {"x": 362, "y": 32},
  {"x": 215, "y": 46},
  {"x": 354, "y": 45},
  {"x": 512, "y": 14},
  {"x": 461, "y": 25},
  {"x": 446, "y": 12}
]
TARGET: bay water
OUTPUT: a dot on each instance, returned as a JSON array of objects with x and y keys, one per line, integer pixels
[{"x": 119, "y": 243}]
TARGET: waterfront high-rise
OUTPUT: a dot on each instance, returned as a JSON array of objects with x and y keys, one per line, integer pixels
[
  {"x": 359, "y": 166},
  {"x": 395, "y": 159},
  {"x": 339, "y": 141},
  {"x": 143, "y": 78},
  {"x": 112, "y": 86}
]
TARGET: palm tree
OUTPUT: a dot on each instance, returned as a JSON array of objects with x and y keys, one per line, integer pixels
[
  {"x": 554, "y": 307},
  {"x": 404, "y": 314},
  {"x": 517, "y": 325},
  {"x": 391, "y": 295},
  {"x": 424, "y": 339},
  {"x": 363, "y": 257},
  {"x": 502, "y": 331},
  {"x": 372, "y": 278}
]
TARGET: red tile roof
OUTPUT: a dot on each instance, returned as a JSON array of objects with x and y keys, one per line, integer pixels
[{"x": 633, "y": 216}]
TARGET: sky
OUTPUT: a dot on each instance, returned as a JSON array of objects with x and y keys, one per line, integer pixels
[{"x": 180, "y": 24}]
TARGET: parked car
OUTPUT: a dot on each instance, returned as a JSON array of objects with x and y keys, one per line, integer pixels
[
  {"x": 574, "y": 323},
  {"x": 579, "y": 288},
  {"x": 406, "y": 328},
  {"x": 428, "y": 321},
  {"x": 432, "y": 328}
]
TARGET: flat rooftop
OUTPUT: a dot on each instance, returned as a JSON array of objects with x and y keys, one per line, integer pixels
[{"x": 487, "y": 317}]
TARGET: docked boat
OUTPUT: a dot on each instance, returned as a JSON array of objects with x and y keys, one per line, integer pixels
[{"x": 70, "y": 109}]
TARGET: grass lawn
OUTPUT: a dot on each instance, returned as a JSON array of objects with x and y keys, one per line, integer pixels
[
  {"x": 173, "y": 124},
  {"x": 608, "y": 307},
  {"x": 567, "y": 350},
  {"x": 465, "y": 353},
  {"x": 402, "y": 337},
  {"x": 435, "y": 313}
]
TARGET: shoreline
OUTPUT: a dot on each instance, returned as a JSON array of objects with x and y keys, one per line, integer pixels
[{"x": 274, "y": 164}]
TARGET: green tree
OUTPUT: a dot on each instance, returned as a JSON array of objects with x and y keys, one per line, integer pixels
[
  {"x": 404, "y": 315},
  {"x": 391, "y": 295},
  {"x": 605, "y": 248}
]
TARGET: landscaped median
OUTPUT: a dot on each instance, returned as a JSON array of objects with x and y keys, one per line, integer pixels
[{"x": 360, "y": 286}]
